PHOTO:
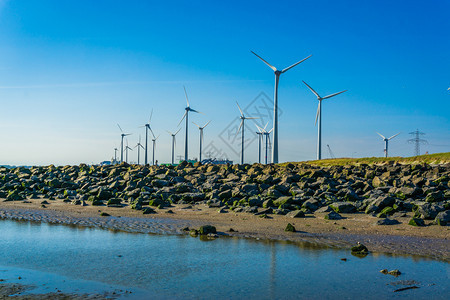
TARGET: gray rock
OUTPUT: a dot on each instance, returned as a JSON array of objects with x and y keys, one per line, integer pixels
[
  {"x": 343, "y": 207},
  {"x": 443, "y": 218},
  {"x": 429, "y": 211},
  {"x": 324, "y": 209},
  {"x": 387, "y": 221},
  {"x": 333, "y": 216},
  {"x": 296, "y": 214}
]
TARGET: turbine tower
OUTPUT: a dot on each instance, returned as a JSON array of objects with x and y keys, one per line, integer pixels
[
  {"x": 260, "y": 137},
  {"x": 154, "y": 147},
  {"x": 115, "y": 155},
  {"x": 201, "y": 138},
  {"x": 275, "y": 103},
  {"x": 173, "y": 143},
  {"x": 138, "y": 146},
  {"x": 319, "y": 118},
  {"x": 243, "y": 118},
  {"x": 147, "y": 128},
  {"x": 121, "y": 142},
  {"x": 386, "y": 142},
  {"x": 126, "y": 152},
  {"x": 186, "y": 115},
  {"x": 267, "y": 135}
]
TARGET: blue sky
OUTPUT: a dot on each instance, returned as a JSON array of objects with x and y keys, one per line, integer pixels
[{"x": 71, "y": 70}]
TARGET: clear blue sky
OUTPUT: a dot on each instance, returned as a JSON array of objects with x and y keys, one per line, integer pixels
[{"x": 71, "y": 70}]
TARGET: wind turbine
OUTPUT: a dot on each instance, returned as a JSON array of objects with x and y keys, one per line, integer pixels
[
  {"x": 115, "y": 155},
  {"x": 138, "y": 146},
  {"x": 260, "y": 137},
  {"x": 243, "y": 118},
  {"x": 147, "y": 128},
  {"x": 275, "y": 103},
  {"x": 154, "y": 147},
  {"x": 186, "y": 115},
  {"x": 126, "y": 152},
  {"x": 386, "y": 142},
  {"x": 121, "y": 142},
  {"x": 267, "y": 135},
  {"x": 173, "y": 142},
  {"x": 319, "y": 117},
  {"x": 201, "y": 138}
]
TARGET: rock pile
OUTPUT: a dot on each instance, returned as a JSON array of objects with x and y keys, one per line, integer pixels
[{"x": 385, "y": 191}]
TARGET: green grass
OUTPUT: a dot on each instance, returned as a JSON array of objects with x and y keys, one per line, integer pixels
[{"x": 437, "y": 158}]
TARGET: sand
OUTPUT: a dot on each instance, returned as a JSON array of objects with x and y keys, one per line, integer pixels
[{"x": 313, "y": 230}]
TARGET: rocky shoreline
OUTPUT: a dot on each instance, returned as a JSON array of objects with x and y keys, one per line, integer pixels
[{"x": 413, "y": 198}]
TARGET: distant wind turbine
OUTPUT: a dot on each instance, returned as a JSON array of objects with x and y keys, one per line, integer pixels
[
  {"x": 154, "y": 147},
  {"x": 138, "y": 146},
  {"x": 115, "y": 155},
  {"x": 201, "y": 138},
  {"x": 267, "y": 135},
  {"x": 242, "y": 125},
  {"x": 319, "y": 118},
  {"x": 260, "y": 137},
  {"x": 275, "y": 103},
  {"x": 186, "y": 116},
  {"x": 126, "y": 151},
  {"x": 147, "y": 128},
  {"x": 386, "y": 141},
  {"x": 173, "y": 143},
  {"x": 121, "y": 142}
]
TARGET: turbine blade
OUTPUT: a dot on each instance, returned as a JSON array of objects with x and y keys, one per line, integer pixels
[
  {"x": 187, "y": 100},
  {"x": 196, "y": 111},
  {"x": 251, "y": 118},
  {"x": 270, "y": 132},
  {"x": 127, "y": 134},
  {"x": 197, "y": 125},
  {"x": 169, "y": 132},
  {"x": 312, "y": 90},
  {"x": 177, "y": 131},
  {"x": 206, "y": 124},
  {"x": 332, "y": 95},
  {"x": 317, "y": 115},
  {"x": 270, "y": 66},
  {"x": 266, "y": 125},
  {"x": 242, "y": 114},
  {"x": 290, "y": 67},
  {"x": 381, "y": 135},
  {"x": 394, "y": 136},
  {"x": 151, "y": 131},
  {"x": 158, "y": 136},
  {"x": 151, "y": 114},
  {"x": 239, "y": 129},
  {"x": 120, "y": 128},
  {"x": 182, "y": 118}
]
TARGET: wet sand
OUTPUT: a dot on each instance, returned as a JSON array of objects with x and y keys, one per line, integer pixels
[{"x": 402, "y": 239}]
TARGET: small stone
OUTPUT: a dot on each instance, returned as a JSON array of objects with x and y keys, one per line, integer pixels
[
  {"x": 104, "y": 214},
  {"x": 360, "y": 249},
  {"x": 384, "y": 271},
  {"x": 290, "y": 228},
  {"x": 395, "y": 273}
]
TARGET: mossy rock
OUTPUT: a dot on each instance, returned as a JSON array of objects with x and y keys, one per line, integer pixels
[
  {"x": 289, "y": 228},
  {"x": 104, "y": 214},
  {"x": 206, "y": 229},
  {"x": 97, "y": 202},
  {"x": 114, "y": 201},
  {"x": 387, "y": 211},
  {"x": 14, "y": 196},
  {"x": 148, "y": 210},
  {"x": 360, "y": 249},
  {"x": 416, "y": 222},
  {"x": 156, "y": 202}
]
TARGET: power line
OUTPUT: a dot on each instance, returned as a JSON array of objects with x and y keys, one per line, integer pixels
[{"x": 417, "y": 140}]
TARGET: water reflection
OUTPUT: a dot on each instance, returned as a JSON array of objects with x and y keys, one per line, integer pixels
[{"x": 227, "y": 267}]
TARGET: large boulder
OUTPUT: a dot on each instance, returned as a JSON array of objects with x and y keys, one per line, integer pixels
[
  {"x": 443, "y": 218},
  {"x": 428, "y": 211},
  {"x": 343, "y": 207}
]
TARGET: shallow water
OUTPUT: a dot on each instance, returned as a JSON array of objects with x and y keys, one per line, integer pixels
[{"x": 79, "y": 259}]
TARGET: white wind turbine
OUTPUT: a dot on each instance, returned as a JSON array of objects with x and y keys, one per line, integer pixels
[
  {"x": 138, "y": 146},
  {"x": 201, "y": 138},
  {"x": 260, "y": 137},
  {"x": 243, "y": 118},
  {"x": 275, "y": 103},
  {"x": 319, "y": 118},
  {"x": 267, "y": 135},
  {"x": 173, "y": 143},
  {"x": 186, "y": 115},
  {"x": 386, "y": 142},
  {"x": 147, "y": 128},
  {"x": 126, "y": 152},
  {"x": 154, "y": 147},
  {"x": 121, "y": 142}
]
